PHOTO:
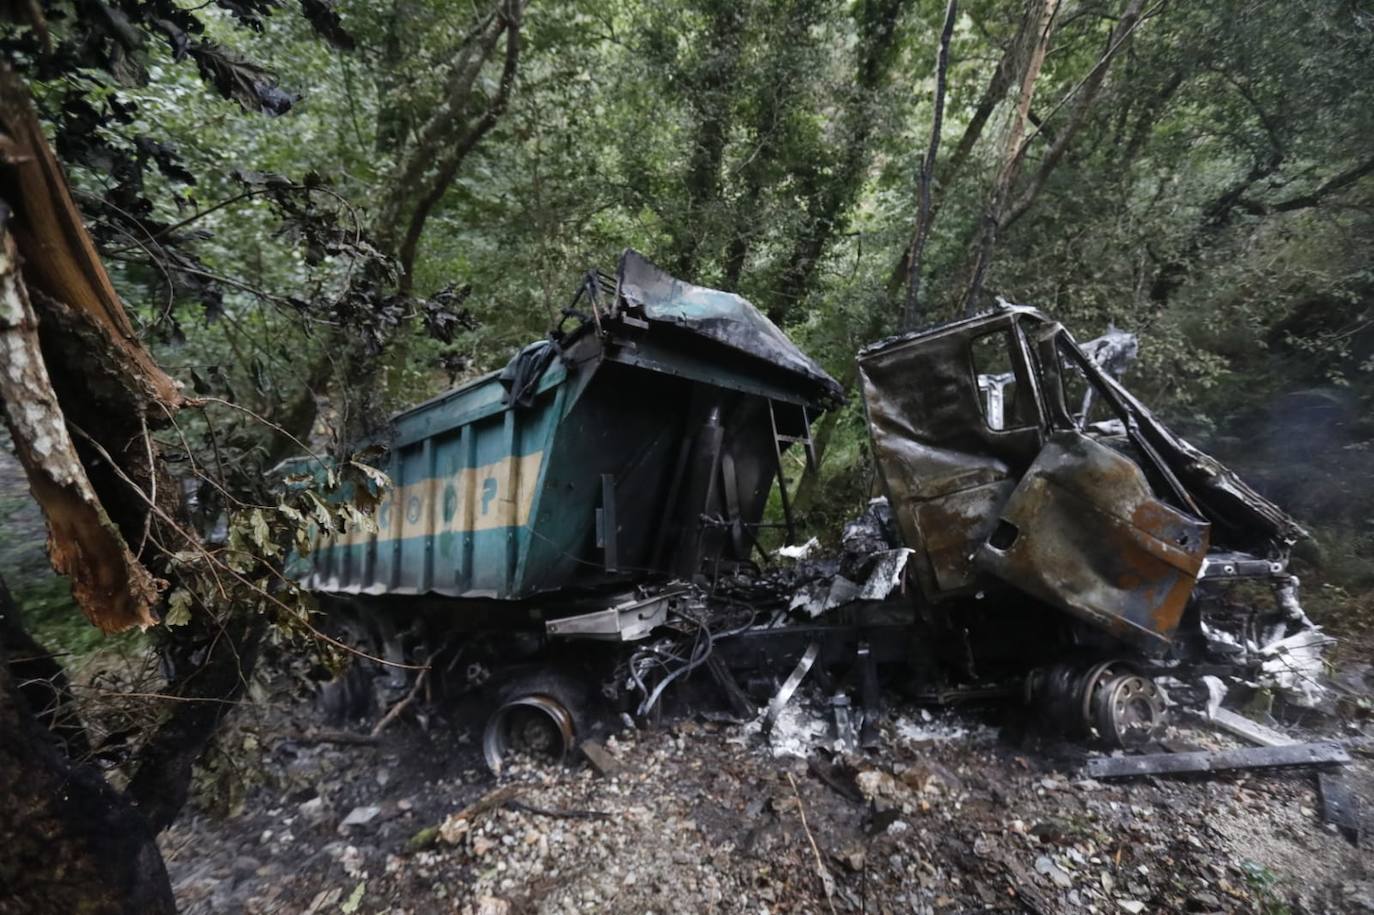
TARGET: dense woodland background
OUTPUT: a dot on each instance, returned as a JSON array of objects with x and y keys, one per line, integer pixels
[
  {"x": 316, "y": 213},
  {"x": 1200, "y": 176}
]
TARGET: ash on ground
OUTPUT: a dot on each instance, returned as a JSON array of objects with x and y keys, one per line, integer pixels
[{"x": 952, "y": 812}]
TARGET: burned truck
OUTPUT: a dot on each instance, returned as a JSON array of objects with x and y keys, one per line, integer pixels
[
  {"x": 1057, "y": 526},
  {"x": 582, "y": 494},
  {"x": 578, "y": 536}
]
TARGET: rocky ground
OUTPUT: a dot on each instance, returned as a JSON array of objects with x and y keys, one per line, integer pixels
[{"x": 949, "y": 814}]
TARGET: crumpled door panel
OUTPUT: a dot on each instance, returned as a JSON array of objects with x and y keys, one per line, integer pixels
[
  {"x": 953, "y": 526},
  {"x": 1084, "y": 531}
]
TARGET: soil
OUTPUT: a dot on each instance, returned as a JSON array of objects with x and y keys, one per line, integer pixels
[{"x": 956, "y": 813}]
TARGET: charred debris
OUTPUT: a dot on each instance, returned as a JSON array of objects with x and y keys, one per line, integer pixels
[{"x": 576, "y": 538}]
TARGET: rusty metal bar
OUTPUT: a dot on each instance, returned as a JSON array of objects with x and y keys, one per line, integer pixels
[
  {"x": 1302, "y": 754},
  {"x": 782, "y": 480}
]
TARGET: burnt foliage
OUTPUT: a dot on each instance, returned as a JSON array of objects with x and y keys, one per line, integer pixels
[
  {"x": 326, "y": 22},
  {"x": 92, "y": 50},
  {"x": 250, "y": 85},
  {"x": 326, "y": 228}
]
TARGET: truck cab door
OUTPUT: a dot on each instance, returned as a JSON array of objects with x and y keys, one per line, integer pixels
[
  {"x": 1090, "y": 527},
  {"x": 956, "y": 418}
]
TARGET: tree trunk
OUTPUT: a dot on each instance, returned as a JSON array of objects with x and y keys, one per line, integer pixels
[
  {"x": 415, "y": 186},
  {"x": 1086, "y": 95},
  {"x": 394, "y": 107},
  {"x": 210, "y": 666},
  {"x": 81, "y": 364},
  {"x": 779, "y": 94},
  {"x": 71, "y": 360},
  {"x": 1011, "y": 162},
  {"x": 716, "y": 101},
  {"x": 832, "y": 196},
  {"x": 911, "y": 308},
  {"x": 72, "y": 843},
  {"x": 428, "y": 166},
  {"x": 1010, "y": 63},
  {"x": 41, "y": 682},
  {"x": 449, "y": 160}
]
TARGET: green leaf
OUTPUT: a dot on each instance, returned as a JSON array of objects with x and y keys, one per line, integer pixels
[
  {"x": 178, "y": 608},
  {"x": 350, "y": 905},
  {"x": 262, "y": 535}
]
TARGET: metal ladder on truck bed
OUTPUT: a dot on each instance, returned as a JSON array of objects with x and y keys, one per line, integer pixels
[{"x": 781, "y": 441}]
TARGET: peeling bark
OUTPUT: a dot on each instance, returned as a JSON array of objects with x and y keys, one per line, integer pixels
[
  {"x": 1011, "y": 161},
  {"x": 108, "y": 582},
  {"x": 59, "y": 257},
  {"x": 72, "y": 359}
]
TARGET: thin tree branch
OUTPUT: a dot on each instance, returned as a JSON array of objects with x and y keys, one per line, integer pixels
[
  {"x": 992, "y": 214},
  {"x": 1314, "y": 197},
  {"x": 469, "y": 140},
  {"x": 913, "y": 287},
  {"x": 1090, "y": 86}
]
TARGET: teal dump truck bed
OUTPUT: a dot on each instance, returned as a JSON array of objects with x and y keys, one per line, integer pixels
[{"x": 641, "y": 444}]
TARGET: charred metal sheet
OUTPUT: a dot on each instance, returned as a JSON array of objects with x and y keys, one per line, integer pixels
[
  {"x": 625, "y": 622},
  {"x": 1340, "y": 805},
  {"x": 889, "y": 568},
  {"x": 1245, "y": 520},
  {"x": 1083, "y": 531},
  {"x": 948, "y": 465},
  {"x": 813, "y": 599},
  {"x": 1237, "y": 724},
  {"x": 789, "y": 686},
  {"x": 1302, "y": 754},
  {"x": 952, "y": 528},
  {"x": 1011, "y": 455},
  {"x": 722, "y": 316},
  {"x": 1230, "y": 566}
]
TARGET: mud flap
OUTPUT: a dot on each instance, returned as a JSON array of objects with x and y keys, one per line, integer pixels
[{"x": 1083, "y": 531}]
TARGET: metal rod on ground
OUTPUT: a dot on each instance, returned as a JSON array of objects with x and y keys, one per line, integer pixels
[{"x": 1304, "y": 754}]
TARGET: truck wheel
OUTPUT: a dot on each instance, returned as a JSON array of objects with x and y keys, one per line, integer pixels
[{"x": 537, "y": 715}]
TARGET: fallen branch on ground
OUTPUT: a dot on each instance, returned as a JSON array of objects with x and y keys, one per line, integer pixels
[{"x": 827, "y": 881}]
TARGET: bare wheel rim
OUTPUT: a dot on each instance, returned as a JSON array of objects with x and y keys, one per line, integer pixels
[{"x": 536, "y": 724}]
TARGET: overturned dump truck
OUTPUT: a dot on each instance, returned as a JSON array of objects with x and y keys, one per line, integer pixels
[{"x": 575, "y": 538}]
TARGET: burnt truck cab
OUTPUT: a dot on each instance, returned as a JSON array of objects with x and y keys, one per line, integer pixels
[{"x": 1023, "y": 474}]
